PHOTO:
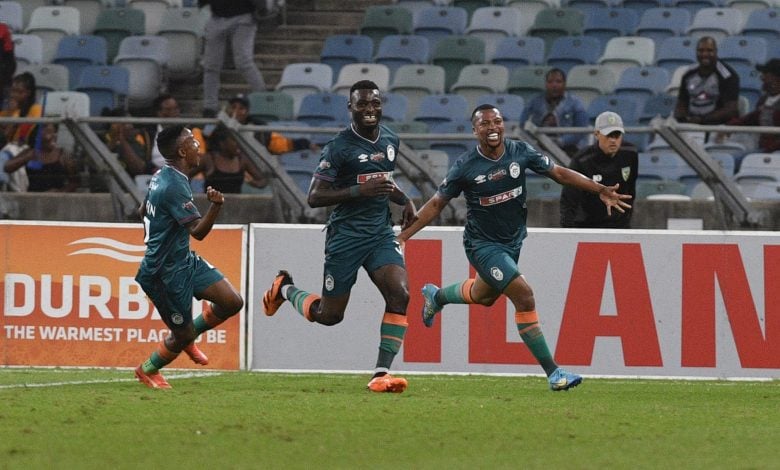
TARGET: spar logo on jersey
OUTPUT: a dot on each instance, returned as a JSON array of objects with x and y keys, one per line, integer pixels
[
  {"x": 496, "y": 175},
  {"x": 501, "y": 197},
  {"x": 514, "y": 170},
  {"x": 365, "y": 177}
]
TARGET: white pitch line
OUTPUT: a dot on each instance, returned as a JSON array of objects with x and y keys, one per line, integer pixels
[{"x": 189, "y": 375}]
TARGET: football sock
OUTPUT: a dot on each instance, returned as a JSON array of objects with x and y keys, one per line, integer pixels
[
  {"x": 459, "y": 293},
  {"x": 301, "y": 300},
  {"x": 206, "y": 320},
  {"x": 391, "y": 334},
  {"x": 532, "y": 336},
  {"x": 159, "y": 359}
]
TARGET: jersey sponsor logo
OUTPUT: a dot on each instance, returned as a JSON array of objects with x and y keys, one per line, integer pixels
[
  {"x": 496, "y": 175},
  {"x": 625, "y": 172},
  {"x": 514, "y": 170},
  {"x": 390, "y": 153},
  {"x": 377, "y": 157},
  {"x": 365, "y": 177},
  {"x": 329, "y": 283},
  {"x": 497, "y": 274},
  {"x": 501, "y": 197}
]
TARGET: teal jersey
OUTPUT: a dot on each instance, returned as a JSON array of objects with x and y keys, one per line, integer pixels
[
  {"x": 169, "y": 207},
  {"x": 351, "y": 159},
  {"x": 495, "y": 191}
]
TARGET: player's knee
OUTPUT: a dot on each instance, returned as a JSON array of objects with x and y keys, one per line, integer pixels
[
  {"x": 398, "y": 301},
  {"x": 330, "y": 318},
  {"x": 235, "y": 304}
]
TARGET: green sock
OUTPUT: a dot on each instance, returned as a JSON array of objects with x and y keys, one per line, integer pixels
[
  {"x": 452, "y": 294},
  {"x": 154, "y": 363},
  {"x": 533, "y": 337},
  {"x": 392, "y": 334},
  {"x": 200, "y": 325},
  {"x": 297, "y": 298}
]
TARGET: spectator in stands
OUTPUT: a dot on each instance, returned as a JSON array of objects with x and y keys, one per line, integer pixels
[
  {"x": 132, "y": 145},
  {"x": 230, "y": 21},
  {"x": 7, "y": 61},
  {"x": 709, "y": 92},
  {"x": 21, "y": 103},
  {"x": 48, "y": 166},
  {"x": 557, "y": 108},
  {"x": 225, "y": 166},
  {"x": 610, "y": 162},
  {"x": 767, "y": 112}
]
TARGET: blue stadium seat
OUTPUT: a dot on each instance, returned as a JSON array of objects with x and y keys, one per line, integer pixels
[
  {"x": 693, "y": 6},
  {"x": 383, "y": 20},
  {"x": 748, "y": 50},
  {"x": 323, "y": 107},
  {"x": 715, "y": 22},
  {"x": 455, "y": 52},
  {"x": 397, "y": 50},
  {"x": 627, "y": 107},
  {"x": 436, "y": 22},
  {"x": 568, "y": 51},
  {"x": 750, "y": 84},
  {"x": 513, "y": 52},
  {"x": 341, "y": 49},
  {"x": 642, "y": 82},
  {"x": 304, "y": 160},
  {"x": 106, "y": 85},
  {"x": 607, "y": 23},
  {"x": 76, "y": 52},
  {"x": 394, "y": 107},
  {"x": 676, "y": 51},
  {"x": 453, "y": 148},
  {"x": 765, "y": 23},
  {"x": 663, "y": 166},
  {"x": 659, "y": 105},
  {"x": 442, "y": 108},
  {"x": 662, "y": 23},
  {"x": 640, "y": 6}
]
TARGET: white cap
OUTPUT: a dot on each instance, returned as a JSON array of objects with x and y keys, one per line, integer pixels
[{"x": 609, "y": 122}]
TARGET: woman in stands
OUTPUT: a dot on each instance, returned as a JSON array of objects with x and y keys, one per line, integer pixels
[
  {"x": 21, "y": 103},
  {"x": 49, "y": 167},
  {"x": 226, "y": 167}
]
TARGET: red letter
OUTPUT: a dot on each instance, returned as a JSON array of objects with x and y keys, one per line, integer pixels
[{"x": 423, "y": 264}]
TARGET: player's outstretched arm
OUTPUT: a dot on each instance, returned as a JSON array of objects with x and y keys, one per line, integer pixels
[
  {"x": 201, "y": 227},
  {"x": 429, "y": 211},
  {"x": 608, "y": 194}
]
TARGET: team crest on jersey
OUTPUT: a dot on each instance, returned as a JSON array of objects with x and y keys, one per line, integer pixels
[
  {"x": 496, "y": 175},
  {"x": 329, "y": 283},
  {"x": 177, "y": 318},
  {"x": 496, "y": 273},
  {"x": 390, "y": 153},
  {"x": 626, "y": 172},
  {"x": 514, "y": 170},
  {"x": 324, "y": 165},
  {"x": 597, "y": 178}
]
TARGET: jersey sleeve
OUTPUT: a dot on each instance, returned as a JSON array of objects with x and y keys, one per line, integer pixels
[
  {"x": 328, "y": 167},
  {"x": 180, "y": 205},
  {"x": 452, "y": 185},
  {"x": 537, "y": 161}
]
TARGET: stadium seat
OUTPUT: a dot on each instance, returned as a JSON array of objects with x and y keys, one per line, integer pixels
[
  {"x": 513, "y": 52},
  {"x": 478, "y": 79},
  {"x": 89, "y": 10},
  {"x": 663, "y": 165},
  {"x": 511, "y": 106},
  {"x": 642, "y": 82},
  {"x": 749, "y": 6},
  {"x": 107, "y": 87},
  {"x": 395, "y": 107},
  {"x": 442, "y": 108},
  {"x": 750, "y": 83},
  {"x": 763, "y": 23},
  {"x": 351, "y": 73},
  {"x": 693, "y": 6},
  {"x": 759, "y": 176},
  {"x": 397, "y": 50},
  {"x": 661, "y": 105},
  {"x": 11, "y": 13},
  {"x": 304, "y": 78},
  {"x": 661, "y": 23},
  {"x": 416, "y": 82},
  {"x": 529, "y": 10},
  {"x": 589, "y": 81},
  {"x": 406, "y": 185},
  {"x": 437, "y": 160},
  {"x": 383, "y": 20},
  {"x": 623, "y": 52},
  {"x": 541, "y": 187},
  {"x": 305, "y": 160},
  {"x": 145, "y": 58},
  {"x": 410, "y": 127},
  {"x": 436, "y": 22},
  {"x": 48, "y": 77},
  {"x": 28, "y": 6},
  {"x": 183, "y": 29},
  {"x": 568, "y": 51},
  {"x": 494, "y": 23},
  {"x": 551, "y": 24},
  {"x": 606, "y": 24},
  {"x": 267, "y": 106},
  {"x": 455, "y": 52},
  {"x": 28, "y": 49},
  {"x": 747, "y": 50},
  {"x": 341, "y": 49},
  {"x": 318, "y": 108},
  {"x": 52, "y": 23},
  {"x": 153, "y": 12},
  {"x": 648, "y": 188},
  {"x": 626, "y": 106},
  {"x": 115, "y": 24},
  {"x": 76, "y": 52},
  {"x": 452, "y": 147},
  {"x": 675, "y": 52},
  {"x": 527, "y": 81},
  {"x": 67, "y": 104},
  {"x": 715, "y": 22}
]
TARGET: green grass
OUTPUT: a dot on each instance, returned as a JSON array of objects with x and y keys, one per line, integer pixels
[{"x": 263, "y": 420}]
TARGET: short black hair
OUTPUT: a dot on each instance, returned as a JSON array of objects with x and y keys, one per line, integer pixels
[
  {"x": 157, "y": 103},
  {"x": 168, "y": 139},
  {"x": 555, "y": 70},
  {"x": 482, "y": 107},
  {"x": 363, "y": 85}
]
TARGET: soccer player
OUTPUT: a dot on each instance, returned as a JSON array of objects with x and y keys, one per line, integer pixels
[
  {"x": 355, "y": 174},
  {"x": 492, "y": 179},
  {"x": 170, "y": 273}
]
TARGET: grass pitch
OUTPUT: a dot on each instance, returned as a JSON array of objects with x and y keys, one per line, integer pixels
[{"x": 72, "y": 418}]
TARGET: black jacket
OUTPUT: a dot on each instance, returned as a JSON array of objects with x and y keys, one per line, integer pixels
[
  {"x": 229, "y": 8},
  {"x": 582, "y": 209}
]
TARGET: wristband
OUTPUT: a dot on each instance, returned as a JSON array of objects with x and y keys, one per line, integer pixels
[{"x": 354, "y": 191}]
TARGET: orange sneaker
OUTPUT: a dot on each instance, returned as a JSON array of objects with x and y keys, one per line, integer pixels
[
  {"x": 272, "y": 299},
  {"x": 155, "y": 380},
  {"x": 196, "y": 355},
  {"x": 387, "y": 384}
]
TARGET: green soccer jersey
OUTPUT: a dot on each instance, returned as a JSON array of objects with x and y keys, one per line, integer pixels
[
  {"x": 351, "y": 159},
  {"x": 169, "y": 207},
  {"x": 495, "y": 191}
]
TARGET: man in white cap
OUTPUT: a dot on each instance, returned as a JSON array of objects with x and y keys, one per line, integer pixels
[{"x": 608, "y": 161}]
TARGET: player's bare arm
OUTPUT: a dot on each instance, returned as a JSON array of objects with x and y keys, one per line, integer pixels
[
  {"x": 323, "y": 194},
  {"x": 201, "y": 227},
  {"x": 429, "y": 211}
]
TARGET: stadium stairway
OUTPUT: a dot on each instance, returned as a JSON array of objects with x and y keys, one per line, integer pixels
[{"x": 278, "y": 43}]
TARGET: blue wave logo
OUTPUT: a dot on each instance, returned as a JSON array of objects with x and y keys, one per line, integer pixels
[{"x": 109, "y": 248}]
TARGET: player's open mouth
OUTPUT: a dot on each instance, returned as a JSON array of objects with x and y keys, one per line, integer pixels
[
  {"x": 369, "y": 119},
  {"x": 493, "y": 137}
]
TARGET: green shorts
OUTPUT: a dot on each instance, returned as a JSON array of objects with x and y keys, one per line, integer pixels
[
  {"x": 345, "y": 254},
  {"x": 172, "y": 293},
  {"x": 496, "y": 263}
]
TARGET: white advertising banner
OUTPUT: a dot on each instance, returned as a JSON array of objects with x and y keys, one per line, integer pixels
[{"x": 616, "y": 303}]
